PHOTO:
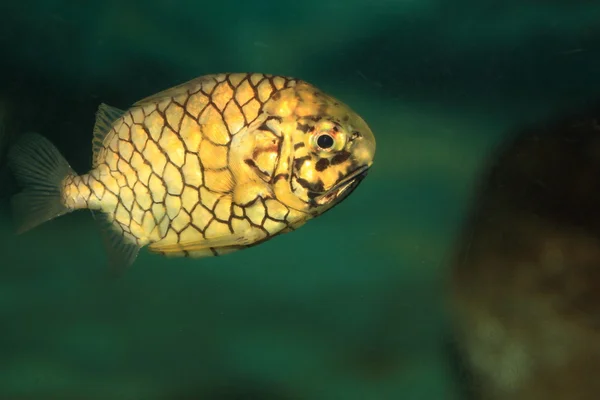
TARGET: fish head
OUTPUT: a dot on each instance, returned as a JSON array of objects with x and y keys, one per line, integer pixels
[{"x": 332, "y": 151}]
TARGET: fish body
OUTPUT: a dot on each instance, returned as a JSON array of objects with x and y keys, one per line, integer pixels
[{"x": 205, "y": 168}]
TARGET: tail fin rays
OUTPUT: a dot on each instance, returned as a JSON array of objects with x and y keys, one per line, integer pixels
[{"x": 39, "y": 169}]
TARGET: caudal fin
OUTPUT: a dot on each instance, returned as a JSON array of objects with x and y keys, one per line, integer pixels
[{"x": 39, "y": 169}]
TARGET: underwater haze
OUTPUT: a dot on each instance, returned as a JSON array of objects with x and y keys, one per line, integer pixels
[{"x": 351, "y": 306}]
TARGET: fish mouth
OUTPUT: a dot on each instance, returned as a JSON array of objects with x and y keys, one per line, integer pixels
[{"x": 341, "y": 190}]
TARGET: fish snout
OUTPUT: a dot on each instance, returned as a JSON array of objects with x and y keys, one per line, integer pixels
[{"x": 364, "y": 148}]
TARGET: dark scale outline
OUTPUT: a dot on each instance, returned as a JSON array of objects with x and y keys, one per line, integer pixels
[
  {"x": 127, "y": 176},
  {"x": 118, "y": 135},
  {"x": 287, "y": 212},
  {"x": 109, "y": 147},
  {"x": 147, "y": 163},
  {"x": 108, "y": 151},
  {"x": 255, "y": 94},
  {"x": 180, "y": 207},
  {"x": 116, "y": 178},
  {"x": 199, "y": 204},
  {"x": 230, "y": 86},
  {"x": 136, "y": 173},
  {"x": 189, "y": 223},
  {"x": 234, "y": 86},
  {"x": 210, "y": 220},
  {"x": 167, "y": 228},
  {"x": 222, "y": 120},
  {"x": 124, "y": 116},
  {"x": 139, "y": 207},
  {"x": 180, "y": 174},
  {"x": 215, "y": 219},
  {"x": 132, "y": 147},
  {"x": 202, "y": 169},
  {"x": 182, "y": 105},
  {"x": 143, "y": 108},
  {"x": 192, "y": 226},
  {"x": 229, "y": 220},
  {"x": 185, "y": 145},
  {"x": 270, "y": 95},
  {"x": 125, "y": 227},
  {"x": 200, "y": 197},
  {"x": 172, "y": 102},
  {"x": 233, "y": 215},
  {"x": 189, "y": 114},
  {"x": 227, "y": 147},
  {"x": 221, "y": 195},
  {"x": 141, "y": 151},
  {"x": 241, "y": 112},
  {"x": 153, "y": 165},
  {"x": 157, "y": 221},
  {"x": 82, "y": 180},
  {"x": 260, "y": 225},
  {"x": 122, "y": 195},
  {"x": 215, "y": 208},
  {"x": 86, "y": 179},
  {"x": 252, "y": 96},
  {"x": 140, "y": 204},
  {"x": 104, "y": 189},
  {"x": 277, "y": 221},
  {"x": 224, "y": 169},
  {"x": 153, "y": 194},
  {"x": 260, "y": 107},
  {"x": 169, "y": 158},
  {"x": 114, "y": 212},
  {"x": 196, "y": 189},
  {"x": 259, "y": 76},
  {"x": 230, "y": 101}
]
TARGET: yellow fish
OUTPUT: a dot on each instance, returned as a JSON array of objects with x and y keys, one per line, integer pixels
[{"x": 216, "y": 164}]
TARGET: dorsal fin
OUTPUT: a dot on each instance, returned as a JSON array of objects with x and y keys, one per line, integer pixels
[
  {"x": 105, "y": 116},
  {"x": 175, "y": 90}
]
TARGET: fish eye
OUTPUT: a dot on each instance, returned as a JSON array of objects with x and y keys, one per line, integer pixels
[{"x": 325, "y": 141}]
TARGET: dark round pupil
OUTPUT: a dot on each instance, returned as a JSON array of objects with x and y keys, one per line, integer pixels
[{"x": 325, "y": 141}]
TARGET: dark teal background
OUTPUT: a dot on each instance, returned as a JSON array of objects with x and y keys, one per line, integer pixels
[{"x": 351, "y": 306}]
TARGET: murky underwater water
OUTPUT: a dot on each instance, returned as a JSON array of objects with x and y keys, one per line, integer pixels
[{"x": 351, "y": 306}]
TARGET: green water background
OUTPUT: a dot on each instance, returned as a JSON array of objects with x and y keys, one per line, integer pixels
[{"x": 350, "y": 306}]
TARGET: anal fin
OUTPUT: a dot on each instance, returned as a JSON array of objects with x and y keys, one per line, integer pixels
[{"x": 120, "y": 251}]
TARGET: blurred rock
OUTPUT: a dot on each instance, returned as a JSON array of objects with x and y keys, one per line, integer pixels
[{"x": 525, "y": 279}]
